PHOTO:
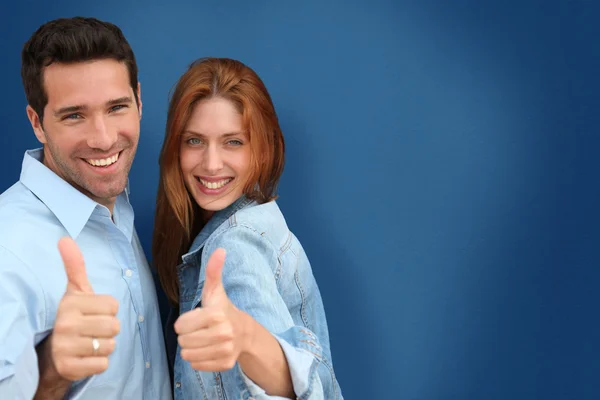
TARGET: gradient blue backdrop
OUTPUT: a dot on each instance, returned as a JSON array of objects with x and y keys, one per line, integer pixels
[{"x": 441, "y": 172}]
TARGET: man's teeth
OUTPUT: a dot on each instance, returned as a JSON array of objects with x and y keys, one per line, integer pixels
[
  {"x": 103, "y": 162},
  {"x": 215, "y": 185}
]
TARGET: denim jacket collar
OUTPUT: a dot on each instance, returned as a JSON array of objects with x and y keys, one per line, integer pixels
[{"x": 213, "y": 223}]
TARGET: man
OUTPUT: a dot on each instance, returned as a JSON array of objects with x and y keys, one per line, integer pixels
[{"x": 101, "y": 337}]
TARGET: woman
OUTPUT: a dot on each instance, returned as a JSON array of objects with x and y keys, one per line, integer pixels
[{"x": 254, "y": 327}]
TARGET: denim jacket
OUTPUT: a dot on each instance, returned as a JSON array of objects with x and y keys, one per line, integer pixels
[{"x": 267, "y": 275}]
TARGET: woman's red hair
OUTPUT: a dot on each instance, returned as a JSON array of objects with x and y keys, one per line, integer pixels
[{"x": 178, "y": 218}]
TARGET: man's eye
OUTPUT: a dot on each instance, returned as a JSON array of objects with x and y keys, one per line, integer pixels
[{"x": 117, "y": 107}]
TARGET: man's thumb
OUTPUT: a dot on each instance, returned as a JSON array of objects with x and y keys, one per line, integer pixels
[
  {"x": 213, "y": 284},
  {"x": 77, "y": 280}
]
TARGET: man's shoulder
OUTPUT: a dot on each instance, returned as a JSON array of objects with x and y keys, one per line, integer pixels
[
  {"x": 25, "y": 220},
  {"x": 19, "y": 205},
  {"x": 13, "y": 193}
]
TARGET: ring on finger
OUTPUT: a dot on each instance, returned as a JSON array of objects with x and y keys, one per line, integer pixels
[{"x": 95, "y": 345}]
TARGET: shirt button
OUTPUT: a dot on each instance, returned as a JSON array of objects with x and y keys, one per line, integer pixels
[
  {"x": 147, "y": 364},
  {"x": 177, "y": 385},
  {"x": 141, "y": 318},
  {"x": 129, "y": 273}
]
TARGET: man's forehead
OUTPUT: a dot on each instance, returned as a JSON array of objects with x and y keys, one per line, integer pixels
[
  {"x": 83, "y": 71},
  {"x": 94, "y": 82}
]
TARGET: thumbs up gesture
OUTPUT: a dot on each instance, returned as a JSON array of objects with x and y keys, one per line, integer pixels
[
  {"x": 86, "y": 323},
  {"x": 213, "y": 336}
]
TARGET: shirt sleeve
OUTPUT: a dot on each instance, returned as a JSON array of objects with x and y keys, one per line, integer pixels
[
  {"x": 249, "y": 281},
  {"x": 23, "y": 314}
]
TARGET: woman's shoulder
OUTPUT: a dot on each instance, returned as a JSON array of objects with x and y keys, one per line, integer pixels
[
  {"x": 263, "y": 221},
  {"x": 266, "y": 217}
]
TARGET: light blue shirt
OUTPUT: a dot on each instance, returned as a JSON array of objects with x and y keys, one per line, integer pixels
[{"x": 34, "y": 214}]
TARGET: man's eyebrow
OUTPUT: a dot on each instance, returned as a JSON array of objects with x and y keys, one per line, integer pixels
[
  {"x": 76, "y": 108},
  {"x": 120, "y": 100},
  {"x": 68, "y": 109}
]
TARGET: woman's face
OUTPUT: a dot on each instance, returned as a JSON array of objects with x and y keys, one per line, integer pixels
[{"x": 215, "y": 154}]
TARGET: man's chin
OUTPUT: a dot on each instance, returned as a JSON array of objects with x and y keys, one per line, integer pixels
[{"x": 105, "y": 194}]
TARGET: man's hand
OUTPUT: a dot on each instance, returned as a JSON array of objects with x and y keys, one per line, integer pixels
[{"x": 86, "y": 323}]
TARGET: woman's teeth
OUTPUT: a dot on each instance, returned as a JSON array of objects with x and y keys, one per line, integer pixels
[{"x": 215, "y": 185}]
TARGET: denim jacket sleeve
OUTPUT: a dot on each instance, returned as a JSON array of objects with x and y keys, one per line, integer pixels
[
  {"x": 22, "y": 311},
  {"x": 249, "y": 281}
]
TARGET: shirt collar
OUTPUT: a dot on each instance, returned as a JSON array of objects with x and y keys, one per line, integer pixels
[
  {"x": 71, "y": 207},
  {"x": 214, "y": 222}
]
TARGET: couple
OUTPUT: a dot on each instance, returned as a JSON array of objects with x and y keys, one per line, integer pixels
[{"x": 247, "y": 320}]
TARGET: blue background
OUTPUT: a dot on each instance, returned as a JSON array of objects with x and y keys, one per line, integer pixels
[{"x": 441, "y": 172}]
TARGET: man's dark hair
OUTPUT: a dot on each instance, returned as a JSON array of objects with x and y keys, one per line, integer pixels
[{"x": 71, "y": 40}]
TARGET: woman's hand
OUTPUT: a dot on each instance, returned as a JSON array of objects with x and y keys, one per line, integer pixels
[
  {"x": 217, "y": 335},
  {"x": 212, "y": 336}
]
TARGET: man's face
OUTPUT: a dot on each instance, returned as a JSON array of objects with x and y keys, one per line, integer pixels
[{"x": 91, "y": 126}]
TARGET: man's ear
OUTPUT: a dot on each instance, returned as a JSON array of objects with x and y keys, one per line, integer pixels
[{"x": 36, "y": 124}]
